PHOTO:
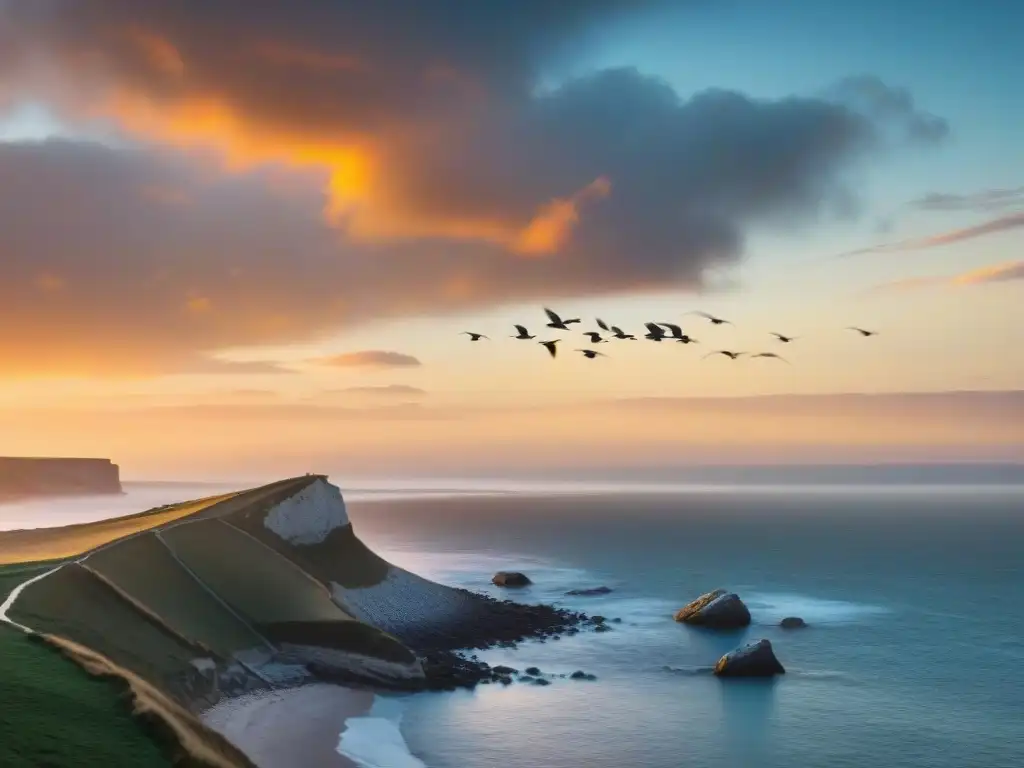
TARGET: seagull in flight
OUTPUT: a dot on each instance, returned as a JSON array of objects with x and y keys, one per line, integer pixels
[
  {"x": 618, "y": 333},
  {"x": 550, "y": 346},
  {"x": 475, "y": 336},
  {"x": 595, "y": 337},
  {"x": 678, "y": 335},
  {"x": 771, "y": 355},
  {"x": 784, "y": 339},
  {"x": 557, "y": 322},
  {"x": 654, "y": 332},
  {"x": 714, "y": 320},
  {"x": 726, "y": 352},
  {"x": 523, "y": 333},
  {"x": 591, "y": 353},
  {"x": 861, "y": 331}
]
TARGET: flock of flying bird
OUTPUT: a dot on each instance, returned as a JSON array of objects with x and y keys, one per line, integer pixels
[{"x": 655, "y": 332}]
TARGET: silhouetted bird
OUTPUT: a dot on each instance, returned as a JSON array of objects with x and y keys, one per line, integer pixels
[
  {"x": 475, "y": 336},
  {"x": 654, "y": 332},
  {"x": 557, "y": 322},
  {"x": 591, "y": 353},
  {"x": 550, "y": 345},
  {"x": 678, "y": 335},
  {"x": 523, "y": 333},
  {"x": 861, "y": 331},
  {"x": 784, "y": 339},
  {"x": 771, "y": 355},
  {"x": 618, "y": 333},
  {"x": 714, "y": 320},
  {"x": 595, "y": 337},
  {"x": 602, "y": 325},
  {"x": 726, "y": 352}
]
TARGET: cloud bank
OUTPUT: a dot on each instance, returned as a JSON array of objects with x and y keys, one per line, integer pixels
[
  {"x": 284, "y": 172},
  {"x": 372, "y": 358}
]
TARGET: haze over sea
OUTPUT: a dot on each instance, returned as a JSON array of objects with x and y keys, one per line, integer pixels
[{"x": 910, "y": 578}]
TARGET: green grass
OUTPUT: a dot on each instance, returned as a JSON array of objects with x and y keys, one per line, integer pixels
[
  {"x": 145, "y": 569},
  {"x": 13, "y": 575},
  {"x": 73, "y": 603},
  {"x": 53, "y": 713},
  {"x": 41, "y": 544},
  {"x": 257, "y": 582},
  {"x": 341, "y": 557}
]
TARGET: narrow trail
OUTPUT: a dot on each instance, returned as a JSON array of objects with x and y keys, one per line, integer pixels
[{"x": 9, "y": 602}]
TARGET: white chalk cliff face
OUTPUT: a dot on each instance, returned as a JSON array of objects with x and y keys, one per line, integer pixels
[{"x": 310, "y": 515}]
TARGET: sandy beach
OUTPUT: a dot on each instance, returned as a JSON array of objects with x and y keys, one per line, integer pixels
[{"x": 297, "y": 726}]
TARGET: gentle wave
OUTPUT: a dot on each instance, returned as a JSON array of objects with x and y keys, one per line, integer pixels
[
  {"x": 771, "y": 607},
  {"x": 376, "y": 741}
]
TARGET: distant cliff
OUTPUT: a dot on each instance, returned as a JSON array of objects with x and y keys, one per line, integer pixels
[{"x": 31, "y": 477}]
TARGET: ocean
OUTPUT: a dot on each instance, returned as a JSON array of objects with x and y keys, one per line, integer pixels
[
  {"x": 914, "y": 594},
  {"x": 913, "y": 656}
]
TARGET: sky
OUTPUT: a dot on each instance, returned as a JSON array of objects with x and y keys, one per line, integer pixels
[{"x": 241, "y": 235}]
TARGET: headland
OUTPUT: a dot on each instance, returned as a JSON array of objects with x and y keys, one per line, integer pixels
[
  {"x": 30, "y": 477},
  {"x": 262, "y": 590}
]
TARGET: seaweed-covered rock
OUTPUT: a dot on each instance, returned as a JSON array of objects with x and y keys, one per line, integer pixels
[
  {"x": 752, "y": 660},
  {"x": 716, "y": 610},
  {"x": 579, "y": 674},
  {"x": 511, "y": 579},
  {"x": 592, "y": 592},
  {"x": 792, "y": 622}
]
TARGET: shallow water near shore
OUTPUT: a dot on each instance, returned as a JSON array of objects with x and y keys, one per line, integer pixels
[{"x": 914, "y": 601}]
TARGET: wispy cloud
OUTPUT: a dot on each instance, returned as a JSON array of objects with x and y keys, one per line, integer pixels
[
  {"x": 384, "y": 390},
  {"x": 988, "y": 200},
  {"x": 370, "y": 358},
  {"x": 996, "y": 273},
  {"x": 999, "y": 224}
]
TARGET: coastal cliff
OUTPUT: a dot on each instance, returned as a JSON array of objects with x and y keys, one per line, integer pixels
[
  {"x": 26, "y": 477},
  {"x": 265, "y": 588}
]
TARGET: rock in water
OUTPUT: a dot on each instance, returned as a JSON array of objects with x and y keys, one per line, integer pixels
[
  {"x": 792, "y": 622},
  {"x": 753, "y": 660},
  {"x": 511, "y": 579},
  {"x": 716, "y": 610},
  {"x": 593, "y": 591}
]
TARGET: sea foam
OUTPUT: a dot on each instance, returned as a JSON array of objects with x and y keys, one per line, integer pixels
[
  {"x": 771, "y": 607},
  {"x": 376, "y": 741}
]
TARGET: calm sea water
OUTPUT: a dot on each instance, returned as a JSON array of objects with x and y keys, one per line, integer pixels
[{"x": 914, "y": 657}]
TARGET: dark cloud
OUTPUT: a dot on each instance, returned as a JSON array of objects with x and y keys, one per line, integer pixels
[
  {"x": 372, "y": 358},
  {"x": 448, "y": 182},
  {"x": 999, "y": 224}
]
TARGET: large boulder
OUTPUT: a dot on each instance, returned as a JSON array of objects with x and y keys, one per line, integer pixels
[
  {"x": 753, "y": 660},
  {"x": 511, "y": 579},
  {"x": 792, "y": 622},
  {"x": 716, "y": 610}
]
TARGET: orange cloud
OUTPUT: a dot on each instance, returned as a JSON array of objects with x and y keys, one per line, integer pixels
[
  {"x": 996, "y": 273},
  {"x": 550, "y": 229},
  {"x": 160, "y": 53}
]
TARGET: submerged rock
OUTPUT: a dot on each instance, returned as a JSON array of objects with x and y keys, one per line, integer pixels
[
  {"x": 792, "y": 622},
  {"x": 717, "y": 610},
  {"x": 531, "y": 671},
  {"x": 753, "y": 660},
  {"x": 589, "y": 592},
  {"x": 511, "y": 579},
  {"x": 579, "y": 674}
]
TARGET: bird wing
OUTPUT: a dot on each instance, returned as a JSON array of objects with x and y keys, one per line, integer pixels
[
  {"x": 654, "y": 329},
  {"x": 552, "y": 350},
  {"x": 702, "y": 314},
  {"x": 521, "y": 329},
  {"x": 552, "y": 315},
  {"x": 601, "y": 325},
  {"x": 716, "y": 352},
  {"x": 482, "y": 336},
  {"x": 675, "y": 329}
]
